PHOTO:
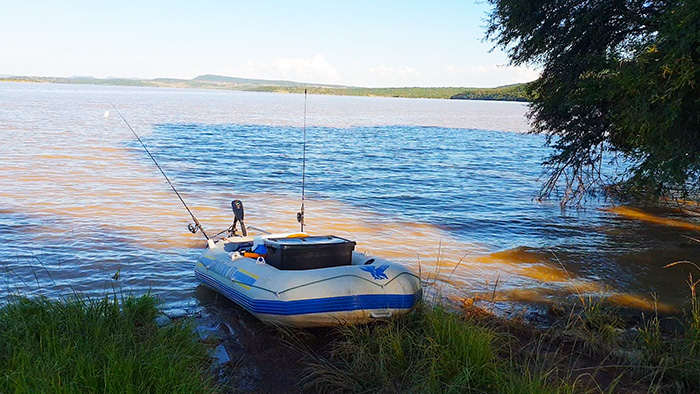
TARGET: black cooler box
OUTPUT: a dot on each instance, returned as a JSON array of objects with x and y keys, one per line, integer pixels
[{"x": 308, "y": 252}]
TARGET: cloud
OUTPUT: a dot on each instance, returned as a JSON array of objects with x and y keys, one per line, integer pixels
[
  {"x": 392, "y": 74},
  {"x": 316, "y": 66},
  {"x": 448, "y": 75},
  {"x": 315, "y": 70}
]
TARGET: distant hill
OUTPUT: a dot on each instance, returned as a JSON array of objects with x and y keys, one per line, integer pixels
[
  {"x": 243, "y": 81},
  {"x": 505, "y": 93}
]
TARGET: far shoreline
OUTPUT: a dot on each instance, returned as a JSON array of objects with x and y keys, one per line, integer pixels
[{"x": 516, "y": 92}]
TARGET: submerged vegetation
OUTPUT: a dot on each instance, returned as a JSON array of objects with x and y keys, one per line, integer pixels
[
  {"x": 515, "y": 92},
  {"x": 104, "y": 345}
]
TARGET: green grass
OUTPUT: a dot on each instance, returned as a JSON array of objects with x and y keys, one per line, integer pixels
[
  {"x": 595, "y": 325},
  {"x": 597, "y": 348},
  {"x": 113, "y": 345},
  {"x": 430, "y": 350},
  {"x": 669, "y": 361},
  {"x": 110, "y": 344},
  {"x": 673, "y": 357}
]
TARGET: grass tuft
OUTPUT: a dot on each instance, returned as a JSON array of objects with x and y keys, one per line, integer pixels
[
  {"x": 429, "y": 350},
  {"x": 675, "y": 356},
  {"x": 108, "y": 344},
  {"x": 596, "y": 325}
]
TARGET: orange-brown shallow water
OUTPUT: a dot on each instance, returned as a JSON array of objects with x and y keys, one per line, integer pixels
[{"x": 443, "y": 186}]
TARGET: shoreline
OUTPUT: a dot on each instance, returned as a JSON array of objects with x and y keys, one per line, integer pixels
[
  {"x": 613, "y": 347},
  {"x": 509, "y": 93},
  {"x": 587, "y": 345}
]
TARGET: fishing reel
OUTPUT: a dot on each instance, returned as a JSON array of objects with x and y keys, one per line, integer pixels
[
  {"x": 300, "y": 217},
  {"x": 194, "y": 228}
]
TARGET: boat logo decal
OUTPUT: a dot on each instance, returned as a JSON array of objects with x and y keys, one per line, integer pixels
[
  {"x": 244, "y": 278},
  {"x": 222, "y": 268},
  {"x": 206, "y": 258},
  {"x": 377, "y": 272}
]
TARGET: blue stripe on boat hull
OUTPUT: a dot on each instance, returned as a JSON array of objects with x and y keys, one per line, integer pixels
[{"x": 315, "y": 305}]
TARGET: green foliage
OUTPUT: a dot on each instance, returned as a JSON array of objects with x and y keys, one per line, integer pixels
[
  {"x": 430, "y": 350},
  {"x": 517, "y": 92},
  {"x": 619, "y": 78},
  {"x": 95, "y": 346}
]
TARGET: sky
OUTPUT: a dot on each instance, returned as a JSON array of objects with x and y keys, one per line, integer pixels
[{"x": 357, "y": 43}]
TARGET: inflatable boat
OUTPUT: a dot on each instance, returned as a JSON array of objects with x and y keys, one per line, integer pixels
[{"x": 300, "y": 280}]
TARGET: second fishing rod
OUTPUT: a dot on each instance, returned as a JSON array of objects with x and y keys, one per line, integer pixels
[{"x": 236, "y": 204}]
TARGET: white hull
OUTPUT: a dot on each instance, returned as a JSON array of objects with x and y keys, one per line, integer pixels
[{"x": 369, "y": 289}]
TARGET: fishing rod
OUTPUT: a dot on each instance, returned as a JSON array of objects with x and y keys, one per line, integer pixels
[
  {"x": 300, "y": 215},
  {"x": 197, "y": 225}
]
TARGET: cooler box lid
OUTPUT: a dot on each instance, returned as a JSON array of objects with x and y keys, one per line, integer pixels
[{"x": 303, "y": 242}]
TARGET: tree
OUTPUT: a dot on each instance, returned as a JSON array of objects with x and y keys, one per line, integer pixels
[{"x": 620, "y": 81}]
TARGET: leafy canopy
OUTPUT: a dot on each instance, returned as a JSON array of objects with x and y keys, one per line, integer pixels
[{"x": 620, "y": 79}]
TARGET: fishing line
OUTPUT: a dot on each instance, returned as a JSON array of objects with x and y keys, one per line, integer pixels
[
  {"x": 300, "y": 215},
  {"x": 197, "y": 225}
]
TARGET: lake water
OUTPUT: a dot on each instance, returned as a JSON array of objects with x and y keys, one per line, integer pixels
[{"x": 443, "y": 186}]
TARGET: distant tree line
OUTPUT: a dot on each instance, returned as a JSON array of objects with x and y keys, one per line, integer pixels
[
  {"x": 507, "y": 93},
  {"x": 511, "y": 92}
]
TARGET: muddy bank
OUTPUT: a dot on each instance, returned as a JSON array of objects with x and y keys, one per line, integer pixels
[{"x": 249, "y": 356}]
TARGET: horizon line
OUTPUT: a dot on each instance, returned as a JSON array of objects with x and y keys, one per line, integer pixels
[{"x": 259, "y": 80}]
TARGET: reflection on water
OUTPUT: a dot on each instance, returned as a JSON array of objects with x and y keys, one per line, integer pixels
[{"x": 418, "y": 181}]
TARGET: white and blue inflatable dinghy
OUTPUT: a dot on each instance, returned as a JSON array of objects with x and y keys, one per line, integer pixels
[{"x": 304, "y": 281}]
